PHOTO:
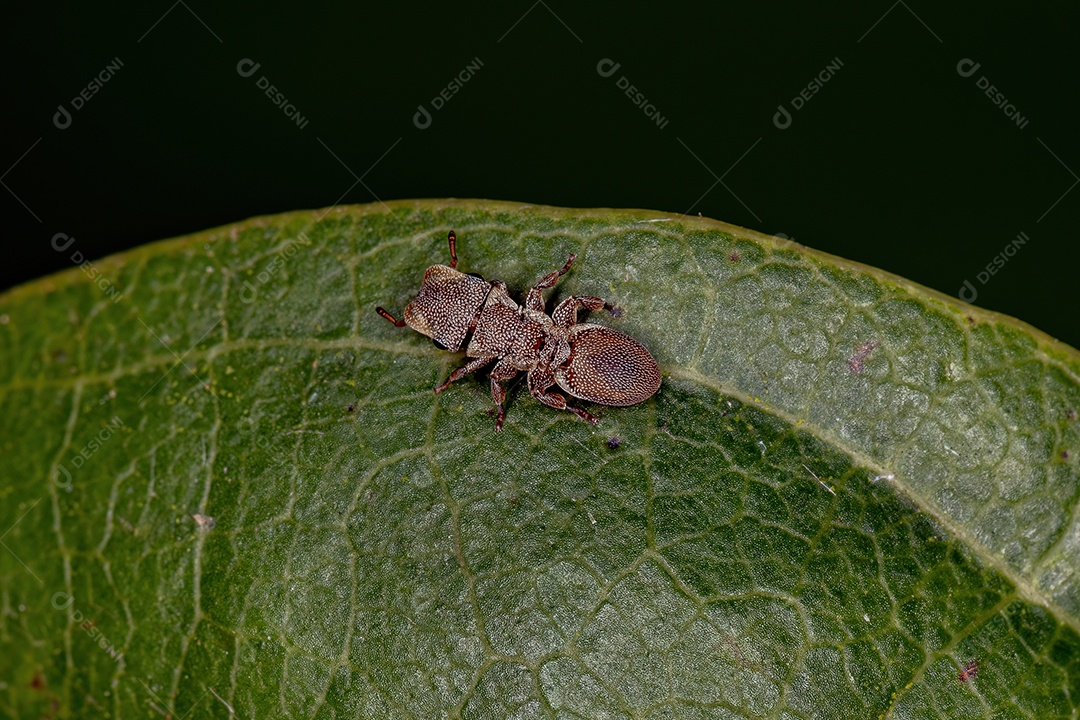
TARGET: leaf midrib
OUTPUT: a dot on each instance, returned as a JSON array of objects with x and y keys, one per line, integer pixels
[{"x": 1023, "y": 585}]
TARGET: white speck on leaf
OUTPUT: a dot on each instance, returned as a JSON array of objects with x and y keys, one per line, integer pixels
[{"x": 205, "y": 523}]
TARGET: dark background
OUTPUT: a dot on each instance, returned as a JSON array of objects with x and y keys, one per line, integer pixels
[{"x": 898, "y": 161}]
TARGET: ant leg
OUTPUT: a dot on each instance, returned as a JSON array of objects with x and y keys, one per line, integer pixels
[
  {"x": 540, "y": 381},
  {"x": 471, "y": 366},
  {"x": 502, "y": 371},
  {"x": 452, "y": 239},
  {"x": 535, "y": 301},
  {"x": 388, "y": 316},
  {"x": 566, "y": 312}
]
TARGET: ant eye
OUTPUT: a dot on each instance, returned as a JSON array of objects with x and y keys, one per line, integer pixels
[
  {"x": 439, "y": 344},
  {"x": 478, "y": 276}
]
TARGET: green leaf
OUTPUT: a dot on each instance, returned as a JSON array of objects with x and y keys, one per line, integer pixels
[{"x": 228, "y": 485}]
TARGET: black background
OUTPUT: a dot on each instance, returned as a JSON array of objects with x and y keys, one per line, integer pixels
[{"x": 898, "y": 161}]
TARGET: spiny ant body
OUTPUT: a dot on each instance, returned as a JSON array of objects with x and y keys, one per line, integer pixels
[{"x": 591, "y": 362}]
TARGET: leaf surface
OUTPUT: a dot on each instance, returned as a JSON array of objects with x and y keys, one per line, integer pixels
[{"x": 228, "y": 486}]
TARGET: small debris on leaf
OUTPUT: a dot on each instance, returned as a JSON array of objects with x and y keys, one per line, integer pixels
[
  {"x": 858, "y": 358},
  {"x": 204, "y": 522},
  {"x": 970, "y": 670}
]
